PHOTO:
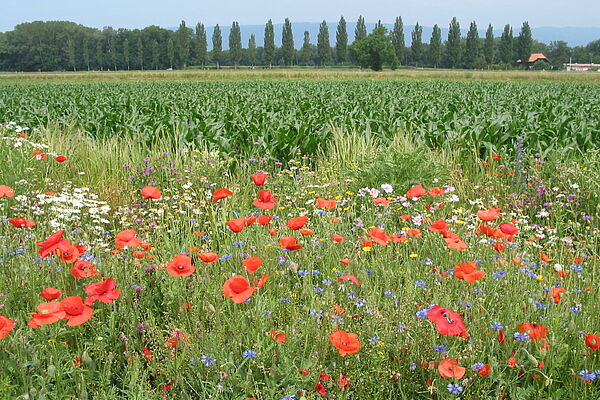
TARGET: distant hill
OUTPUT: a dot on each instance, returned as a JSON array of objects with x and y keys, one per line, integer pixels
[{"x": 572, "y": 35}]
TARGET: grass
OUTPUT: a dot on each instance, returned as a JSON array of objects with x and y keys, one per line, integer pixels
[{"x": 181, "y": 338}]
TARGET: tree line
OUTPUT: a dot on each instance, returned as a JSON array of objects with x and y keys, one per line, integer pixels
[{"x": 62, "y": 45}]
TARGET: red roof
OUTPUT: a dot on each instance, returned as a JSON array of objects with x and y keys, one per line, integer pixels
[{"x": 537, "y": 56}]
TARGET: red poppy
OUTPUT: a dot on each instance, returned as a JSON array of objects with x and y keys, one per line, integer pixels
[
  {"x": 54, "y": 242},
  {"x": 70, "y": 253},
  {"x": 209, "y": 258},
  {"x": 379, "y": 236},
  {"x": 346, "y": 343},
  {"x": 545, "y": 257},
  {"x": 151, "y": 192},
  {"x": 83, "y": 269},
  {"x": 236, "y": 225},
  {"x": 19, "y": 222},
  {"x": 326, "y": 204},
  {"x": 535, "y": 331},
  {"x": 489, "y": 215},
  {"x": 265, "y": 200},
  {"x": 508, "y": 229},
  {"x": 250, "y": 221},
  {"x": 350, "y": 278},
  {"x": 139, "y": 254},
  {"x": 297, "y": 222},
  {"x": 306, "y": 232},
  {"x": 449, "y": 368},
  {"x": 221, "y": 194},
  {"x": 414, "y": 232},
  {"x": 50, "y": 294},
  {"x": 252, "y": 264},
  {"x": 76, "y": 313},
  {"x": 489, "y": 231},
  {"x": 447, "y": 322},
  {"x": 399, "y": 238},
  {"x": 127, "y": 238},
  {"x": 104, "y": 291},
  {"x": 555, "y": 294},
  {"x": 324, "y": 377},
  {"x": 345, "y": 261},
  {"x": 277, "y": 336},
  {"x": 238, "y": 289},
  {"x": 592, "y": 341},
  {"x": 264, "y": 220},
  {"x": 60, "y": 159},
  {"x": 334, "y": 220},
  {"x": 501, "y": 336},
  {"x": 468, "y": 272},
  {"x": 381, "y": 201},
  {"x": 337, "y": 238},
  {"x": 512, "y": 362},
  {"x": 456, "y": 244},
  {"x": 289, "y": 243},
  {"x": 416, "y": 192},
  {"x": 436, "y": 191},
  {"x": 272, "y": 231},
  {"x": 485, "y": 370},
  {"x": 48, "y": 313},
  {"x": 180, "y": 265},
  {"x": 6, "y": 326},
  {"x": 6, "y": 191},
  {"x": 320, "y": 388},
  {"x": 259, "y": 178},
  {"x": 39, "y": 155},
  {"x": 438, "y": 226}
]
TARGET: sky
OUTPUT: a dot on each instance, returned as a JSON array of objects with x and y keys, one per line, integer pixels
[{"x": 169, "y": 13}]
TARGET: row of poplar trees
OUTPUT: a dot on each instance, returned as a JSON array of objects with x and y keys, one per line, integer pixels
[{"x": 59, "y": 45}]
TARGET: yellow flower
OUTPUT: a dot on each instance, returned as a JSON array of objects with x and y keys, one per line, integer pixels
[
  {"x": 539, "y": 278},
  {"x": 367, "y": 248},
  {"x": 413, "y": 255}
]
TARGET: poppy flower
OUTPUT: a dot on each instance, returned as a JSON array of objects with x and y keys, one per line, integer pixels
[
  {"x": 447, "y": 322},
  {"x": 265, "y": 200},
  {"x": 456, "y": 244},
  {"x": 83, "y": 269},
  {"x": 438, "y": 226},
  {"x": 250, "y": 221},
  {"x": 139, "y": 254},
  {"x": 19, "y": 222},
  {"x": 209, "y": 257},
  {"x": 381, "y": 201},
  {"x": 54, "y": 242},
  {"x": 350, "y": 278},
  {"x": 259, "y": 178},
  {"x": 151, "y": 192},
  {"x": 76, "y": 313},
  {"x": 306, "y": 232},
  {"x": 238, "y": 289},
  {"x": 592, "y": 341},
  {"x": 289, "y": 243},
  {"x": 264, "y": 220},
  {"x": 379, "y": 236},
  {"x": 468, "y": 272},
  {"x": 334, "y": 220},
  {"x": 6, "y": 326},
  {"x": 48, "y": 313},
  {"x": 436, "y": 191},
  {"x": 535, "y": 331},
  {"x": 60, "y": 159},
  {"x": 180, "y": 265},
  {"x": 487, "y": 230},
  {"x": 555, "y": 294},
  {"x": 489, "y": 215},
  {"x": 252, "y": 264},
  {"x": 39, "y": 155},
  {"x": 399, "y": 239},
  {"x": 320, "y": 388},
  {"x": 326, "y": 204},
  {"x": 545, "y": 257},
  {"x": 485, "y": 370},
  {"x": 297, "y": 222},
  {"x": 221, "y": 194},
  {"x": 236, "y": 225},
  {"x": 337, "y": 238},
  {"x": 277, "y": 336},
  {"x": 509, "y": 229},
  {"x": 6, "y": 191},
  {"x": 272, "y": 231},
  {"x": 449, "y": 368},
  {"x": 104, "y": 291},
  {"x": 345, "y": 261},
  {"x": 414, "y": 232},
  {"x": 346, "y": 343},
  {"x": 416, "y": 192},
  {"x": 50, "y": 294},
  {"x": 70, "y": 253},
  {"x": 127, "y": 238}
]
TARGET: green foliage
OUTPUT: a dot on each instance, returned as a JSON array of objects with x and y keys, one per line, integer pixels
[
  {"x": 524, "y": 43},
  {"x": 217, "y": 41},
  {"x": 417, "y": 44},
  {"x": 360, "y": 31},
  {"x": 435, "y": 46},
  {"x": 287, "y": 43},
  {"x": 472, "y": 46},
  {"x": 306, "y": 51},
  {"x": 323, "y": 46},
  {"x": 269, "y": 43},
  {"x": 252, "y": 50},
  {"x": 201, "y": 45},
  {"x": 453, "y": 46},
  {"x": 341, "y": 41},
  {"x": 489, "y": 45},
  {"x": 235, "y": 44},
  {"x": 375, "y": 50},
  {"x": 398, "y": 39}
]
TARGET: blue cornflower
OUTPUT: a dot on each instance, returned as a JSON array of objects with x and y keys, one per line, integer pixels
[
  {"x": 373, "y": 340},
  {"x": 440, "y": 349},
  {"x": 498, "y": 275},
  {"x": 455, "y": 388},
  {"x": 388, "y": 293},
  {"x": 316, "y": 272},
  {"x": 477, "y": 366},
  {"x": 302, "y": 272},
  {"x": 587, "y": 375},
  {"x": 225, "y": 257},
  {"x": 326, "y": 282},
  {"x": 359, "y": 303},
  {"x": 248, "y": 353},
  {"x": 318, "y": 290},
  {"x": 420, "y": 283},
  {"x": 521, "y": 336},
  {"x": 285, "y": 300},
  {"x": 422, "y": 313},
  {"x": 239, "y": 243},
  {"x": 496, "y": 325},
  {"x": 207, "y": 360},
  {"x": 369, "y": 271}
]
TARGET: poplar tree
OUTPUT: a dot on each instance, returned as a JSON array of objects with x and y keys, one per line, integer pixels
[
  {"x": 488, "y": 48},
  {"x": 140, "y": 53},
  {"x": 86, "y": 52},
  {"x": 170, "y": 52},
  {"x": 269, "y": 44},
  {"x": 112, "y": 48},
  {"x": 252, "y": 50},
  {"x": 183, "y": 45},
  {"x": 287, "y": 43},
  {"x": 506, "y": 45},
  {"x": 524, "y": 44},
  {"x": 453, "y": 44},
  {"x": 306, "y": 52},
  {"x": 398, "y": 39},
  {"x": 323, "y": 46},
  {"x": 341, "y": 41},
  {"x": 235, "y": 44},
  {"x": 201, "y": 45},
  {"x": 217, "y": 41},
  {"x": 155, "y": 49},
  {"x": 360, "y": 32},
  {"x": 126, "y": 53},
  {"x": 417, "y": 44},
  {"x": 472, "y": 47},
  {"x": 71, "y": 51},
  {"x": 435, "y": 46},
  {"x": 100, "y": 55}
]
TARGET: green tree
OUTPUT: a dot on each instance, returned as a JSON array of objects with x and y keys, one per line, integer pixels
[
  {"x": 341, "y": 41},
  {"x": 559, "y": 54},
  {"x": 140, "y": 53},
  {"x": 252, "y": 50},
  {"x": 306, "y": 52},
  {"x": 86, "y": 52},
  {"x": 182, "y": 45},
  {"x": 525, "y": 43},
  {"x": 170, "y": 52},
  {"x": 398, "y": 39},
  {"x": 360, "y": 32},
  {"x": 114, "y": 54},
  {"x": 269, "y": 44},
  {"x": 155, "y": 52},
  {"x": 126, "y": 60},
  {"x": 435, "y": 46},
  {"x": 287, "y": 43},
  {"x": 506, "y": 45},
  {"x": 201, "y": 45},
  {"x": 488, "y": 47},
  {"x": 217, "y": 50},
  {"x": 235, "y": 44},
  {"x": 453, "y": 45},
  {"x": 72, "y": 53},
  {"x": 323, "y": 45},
  {"x": 472, "y": 47},
  {"x": 417, "y": 44},
  {"x": 100, "y": 54},
  {"x": 375, "y": 50}
]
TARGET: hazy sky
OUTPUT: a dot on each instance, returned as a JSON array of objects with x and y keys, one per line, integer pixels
[{"x": 168, "y": 13}]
